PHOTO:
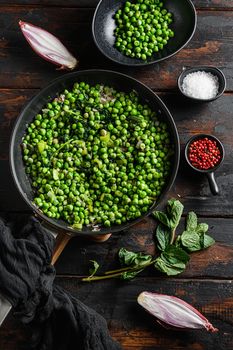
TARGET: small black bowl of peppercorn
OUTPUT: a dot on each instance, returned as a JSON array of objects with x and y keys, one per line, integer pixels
[
  {"x": 205, "y": 153},
  {"x": 143, "y": 32}
]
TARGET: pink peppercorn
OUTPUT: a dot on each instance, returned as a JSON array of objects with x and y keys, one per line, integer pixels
[{"x": 204, "y": 154}]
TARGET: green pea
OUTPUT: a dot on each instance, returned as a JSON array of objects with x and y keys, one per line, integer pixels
[{"x": 80, "y": 178}]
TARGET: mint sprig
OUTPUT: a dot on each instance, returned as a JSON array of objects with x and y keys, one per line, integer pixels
[
  {"x": 174, "y": 249},
  {"x": 171, "y": 218}
]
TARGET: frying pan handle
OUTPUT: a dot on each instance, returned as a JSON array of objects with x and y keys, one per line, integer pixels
[
  {"x": 212, "y": 182},
  {"x": 61, "y": 241},
  {"x": 63, "y": 238}
]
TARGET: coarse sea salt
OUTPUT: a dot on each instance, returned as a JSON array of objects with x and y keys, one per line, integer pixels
[{"x": 200, "y": 84}]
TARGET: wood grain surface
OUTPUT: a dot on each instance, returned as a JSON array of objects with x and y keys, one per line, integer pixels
[
  {"x": 133, "y": 327},
  {"x": 207, "y": 282},
  {"x": 213, "y": 4},
  {"x": 209, "y": 46},
  {"x": 215, "y": 262}
]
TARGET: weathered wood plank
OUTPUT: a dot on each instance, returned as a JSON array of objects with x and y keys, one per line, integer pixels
[
  {"x": 49, "y": 3},
  {"x": 133, "y": 327},
  {"x": 119, "y": 305},
  {"x": 116, "y": 300},
  {"x": 215, "y": 262},
  {"x": 211, "y": 45},
  {"x": 193, "y": 119},
  {"x": 11, "y": 103},
  {"x": 213, "y": 4},
  {"x": 214, "y": 118},
  {"x": 55, "y": 3}
]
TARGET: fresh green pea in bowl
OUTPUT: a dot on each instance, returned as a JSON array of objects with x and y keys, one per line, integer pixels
[{"x": 143, "y": 32}]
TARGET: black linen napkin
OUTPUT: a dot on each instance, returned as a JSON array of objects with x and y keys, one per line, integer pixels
[{"x": 57, "y": 319}]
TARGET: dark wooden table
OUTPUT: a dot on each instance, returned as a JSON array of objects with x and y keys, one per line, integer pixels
[{"x": 207, "y": 282}]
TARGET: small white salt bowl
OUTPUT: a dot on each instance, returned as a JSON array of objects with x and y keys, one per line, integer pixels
[{"x": 208, "y": 69}]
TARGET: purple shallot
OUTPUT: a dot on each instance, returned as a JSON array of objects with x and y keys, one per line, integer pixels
[
  {"x": 48, "y": 46},
  {"x": 174, "y": 313}
]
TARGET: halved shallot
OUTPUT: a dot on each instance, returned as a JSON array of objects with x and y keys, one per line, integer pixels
[
  {"x": 48, "y": 46},
  {"x": 174, "y": 313}
]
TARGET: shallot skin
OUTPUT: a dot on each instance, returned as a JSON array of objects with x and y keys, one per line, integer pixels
[
  {"x": 174, "y": 313},
  {"x": 48, "y": 46}
]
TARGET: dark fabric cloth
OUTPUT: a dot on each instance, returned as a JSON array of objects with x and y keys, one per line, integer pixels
[{"x": 57, "y": 319}]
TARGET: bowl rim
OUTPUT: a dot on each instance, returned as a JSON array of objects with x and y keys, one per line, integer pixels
[
  {"x": 201, "y": 136},
  {"x": 142, "y": 64},
  {"x": 196, "y": 69}
]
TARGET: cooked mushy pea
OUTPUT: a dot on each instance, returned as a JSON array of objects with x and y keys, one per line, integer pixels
[{"x": 96, "y": 156}]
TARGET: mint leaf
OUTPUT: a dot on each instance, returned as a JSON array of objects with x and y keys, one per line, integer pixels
[
  {"x": 175, "y": 255},
  {"x": 94, "y": 268},
  {"x": 132, "y": 259},
  {"x": 163, "y": 235},
  {"x": 126, "y": 257},
  {"x": 208, "y": 241},
  {"x": 162, "y": 217},
  {"x": 172, "y": 261},
  {"x": 191, "y": 241},
  {"x": 175, "y": 209},
  {"x": 170, "y": 270},
  {"x": 178, "y": 241},
  {"x": 202, "y": 228},
  {"x": 195, "y": 237},
  {"x": 127, "y": 276},
  {"x": 191, "y": 221}
]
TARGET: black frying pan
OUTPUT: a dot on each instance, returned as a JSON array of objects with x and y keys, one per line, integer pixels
[
  {"x": 103, "y": 26},
  {"x": 117, "y": 80}
]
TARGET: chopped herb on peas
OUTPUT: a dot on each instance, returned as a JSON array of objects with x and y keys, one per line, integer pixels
[{"x": 96, "y": 156}]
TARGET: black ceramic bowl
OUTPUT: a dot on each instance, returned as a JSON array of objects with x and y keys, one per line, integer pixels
[
  {"x": 209, "y": 69},
  {"x": 103, "y": 25},
  {"x": 209, "y": 172}
]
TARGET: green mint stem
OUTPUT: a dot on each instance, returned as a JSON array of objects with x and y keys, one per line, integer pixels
[
  {"x": 97, "y": 278},
  {"x": 116, "y": 273},
  {"x": 173, "y": 235}
]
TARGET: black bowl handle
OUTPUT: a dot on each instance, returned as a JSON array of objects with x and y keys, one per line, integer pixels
[{"x": 212, "y": 182}]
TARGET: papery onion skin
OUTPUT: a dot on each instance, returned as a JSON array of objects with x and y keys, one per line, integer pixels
[
  {"x": 48, "y": 46},
  {"x": 174, "y": 313}
]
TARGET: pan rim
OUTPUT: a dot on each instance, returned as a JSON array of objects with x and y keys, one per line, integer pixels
[{"x": 69, "y": 230}]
